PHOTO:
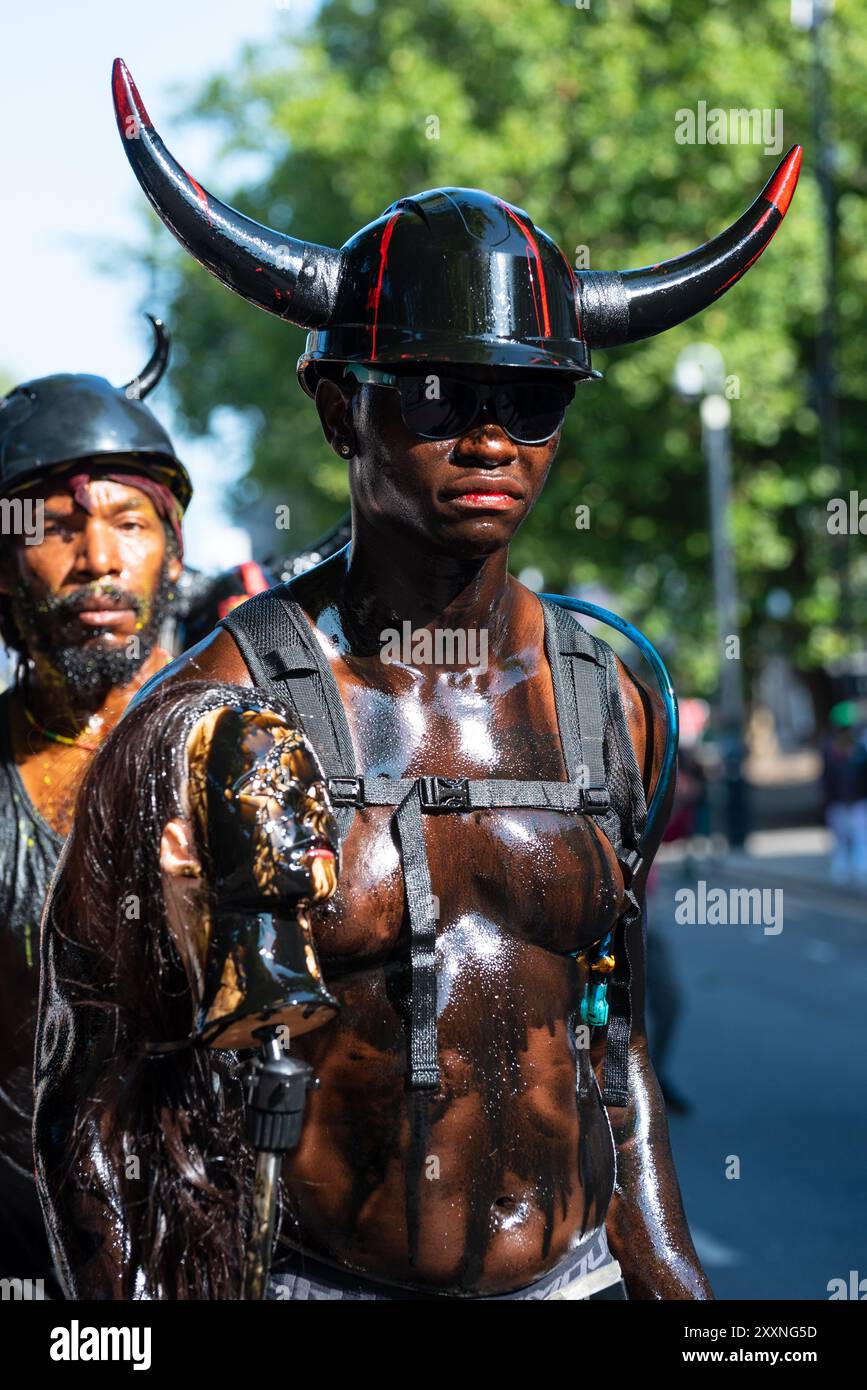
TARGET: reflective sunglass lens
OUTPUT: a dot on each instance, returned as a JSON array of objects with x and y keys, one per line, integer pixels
[
  {"x": 531, "y": 414},
  {"x": 436, "y": 406}
]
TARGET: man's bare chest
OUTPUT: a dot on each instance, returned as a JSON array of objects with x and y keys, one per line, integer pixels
[
  {"x": 539, "y": 876},
  {"x": 52, "y": 778}
]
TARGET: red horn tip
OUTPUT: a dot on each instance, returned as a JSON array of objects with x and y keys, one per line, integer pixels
[
  {"x": 128, "y": 104},
  {"x": 782, "y": 184}
]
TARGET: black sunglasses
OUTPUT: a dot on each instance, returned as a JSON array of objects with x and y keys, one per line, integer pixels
[{"x": 441, "y": 407}]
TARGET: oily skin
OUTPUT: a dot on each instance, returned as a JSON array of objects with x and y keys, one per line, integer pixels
[
  {"x": 520, "y": 1166},
  {"x": 120, "y": 545}
]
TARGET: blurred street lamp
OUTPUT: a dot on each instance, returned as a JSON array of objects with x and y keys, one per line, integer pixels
[
  {"x": 699, "y": 374},
  {"x": 811, "y": 17}
]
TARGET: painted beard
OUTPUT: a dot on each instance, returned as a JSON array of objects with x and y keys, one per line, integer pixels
[{"x": 42, "y": 625}]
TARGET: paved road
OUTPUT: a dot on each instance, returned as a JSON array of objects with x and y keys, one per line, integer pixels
[{"x": 771, "y": 1050}]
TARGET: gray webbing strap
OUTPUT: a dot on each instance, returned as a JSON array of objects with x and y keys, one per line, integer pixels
[
  {"x": 281, "y": 653},
  {"x": 563, "y": 637},
  {"x": 634, "y": 809},
  {"x": 463, "y": 794},
  {"x": 615, "y": 1086},
  {"x": 586, "y": 689},
  {"x": 592, "y": 666},
  {"x": 424, "y": 1071},
  {"x": 577, "y": 661},
  {"x": 590, "y": 731}
]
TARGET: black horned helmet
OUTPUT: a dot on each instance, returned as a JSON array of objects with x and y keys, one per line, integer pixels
[
  {"x": 53, "y": 422},
  {"x": 449, "y": 275}
]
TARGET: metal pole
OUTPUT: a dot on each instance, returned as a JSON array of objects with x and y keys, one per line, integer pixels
[
  {"x": 275, "y": 1110},
  {"x": 716, "y": 444},
  {"x": 830, "y": 452}
]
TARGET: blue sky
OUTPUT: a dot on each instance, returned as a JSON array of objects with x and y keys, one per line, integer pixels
[{"x": 68, "y": 194}]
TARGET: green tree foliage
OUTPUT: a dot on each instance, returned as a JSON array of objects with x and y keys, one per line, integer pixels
[{"x": 571, "y": 113}]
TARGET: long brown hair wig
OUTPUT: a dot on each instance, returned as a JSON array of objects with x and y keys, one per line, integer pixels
[{"x": 142, "y": 1161}]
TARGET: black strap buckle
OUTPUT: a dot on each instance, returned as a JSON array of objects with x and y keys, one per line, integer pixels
[
  {"x": 444, "y": 793},
  {"x": 596, "y": 800},
  {"x": 346, "y": 791},
  {"x": 631, "y": 863}
]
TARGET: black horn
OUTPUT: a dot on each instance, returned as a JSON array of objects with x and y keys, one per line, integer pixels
[
  {"x": 151, "y": 373},
  {"x": 624, "y": 306},
  {"x": 294, "y": 279}
]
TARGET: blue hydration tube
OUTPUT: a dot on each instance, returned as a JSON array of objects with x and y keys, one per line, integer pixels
[{"x": 666, "y": 690}]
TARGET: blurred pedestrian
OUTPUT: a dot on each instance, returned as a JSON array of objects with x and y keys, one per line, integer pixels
[{"x": 844, "y": 783}]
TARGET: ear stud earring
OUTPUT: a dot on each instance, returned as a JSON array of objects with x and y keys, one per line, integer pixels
[{"x": 345, "y": 449}]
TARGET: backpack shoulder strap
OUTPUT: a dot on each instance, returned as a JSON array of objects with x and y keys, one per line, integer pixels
[
  {"x": 594, "y": 731},
  {"x": 283, "y": 656},
  {"x": 597, "y": 746},
  {"x": 573, "y": 658}
]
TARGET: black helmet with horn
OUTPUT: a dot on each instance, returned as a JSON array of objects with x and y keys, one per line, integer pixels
[
  {"x": 448, "y": 275},
  {"x": 54, "y": 421}
]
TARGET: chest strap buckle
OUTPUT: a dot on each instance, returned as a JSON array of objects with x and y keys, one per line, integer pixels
[
  {"x": 444, "y": 793},
  {"x": 346, "y": 791},
  {"x": 596, "y": 800},
  {"x": 631, "y": 863}
]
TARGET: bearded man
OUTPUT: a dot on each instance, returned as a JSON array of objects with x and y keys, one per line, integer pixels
[
  {"x": 497, "y": 818},
  {"x": 92, "y": 495}
]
